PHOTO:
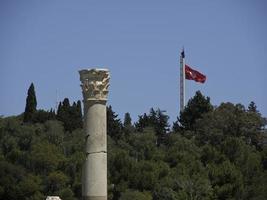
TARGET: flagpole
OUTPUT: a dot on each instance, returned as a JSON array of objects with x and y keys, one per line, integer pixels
[{"x": 182, "y": 81}]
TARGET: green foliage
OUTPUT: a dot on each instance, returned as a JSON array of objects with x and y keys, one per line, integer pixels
[
  {"x": 45, "y": 157},
  {"x": 31, "y": 104},
  {"x": 30, "y": 187},
  {"x": 252, "y": 107},
  {"x": 66, "y": 194},
  {"x": 54, "y": 132},
  {"x": 127, "y": 125},
  {"x": 71, "y": 116},
  {"x": 196, "y": 107},
  {"x": 114, "y": 125},
  {"x": 156, "y": 119},
  {"x": 39, "y": 159},
  {"x": 41, "y": 116},
  {"x": 10, "y": 176},
  {"x": 164, "y": 193},
  {"x": 229, "y": 120},
  {"x": 127, "y": 120},
  {"x": 226, "y": 180},
  {"x": 31, "y": 114},
  {"x": 190, "y": 177},
  {"x": 212, "y": 153},
  {"x": 144, "y": 145},
  {"x": 135, "y": 195},
  {"x": 56, "y": 181}
]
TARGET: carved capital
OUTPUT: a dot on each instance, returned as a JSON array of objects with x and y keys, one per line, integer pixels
[{"x": 95, "y": 83}]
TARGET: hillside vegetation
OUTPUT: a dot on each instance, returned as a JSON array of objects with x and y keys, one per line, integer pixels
[{"x": 208, "y": 153}]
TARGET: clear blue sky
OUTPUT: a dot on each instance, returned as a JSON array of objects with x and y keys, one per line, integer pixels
[{"x": 47, "y": 42}]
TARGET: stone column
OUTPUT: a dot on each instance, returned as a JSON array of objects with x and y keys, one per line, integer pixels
[{"x": 94, "y": 85}]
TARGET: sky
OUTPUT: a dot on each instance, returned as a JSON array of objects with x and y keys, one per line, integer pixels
[{"x": 48, "y": 42}]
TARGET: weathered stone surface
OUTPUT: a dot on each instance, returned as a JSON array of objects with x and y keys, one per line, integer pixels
[
  {"x": 94, "y": 198},
  {"x": 95, "y": 128},
  {"x": 53, "y": 198},
  {"x": 95, "y": 83},
  {"x": 95, "y": 175}
]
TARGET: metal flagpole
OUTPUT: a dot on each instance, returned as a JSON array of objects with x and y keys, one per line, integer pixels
[{"x": 182, "y": 81}]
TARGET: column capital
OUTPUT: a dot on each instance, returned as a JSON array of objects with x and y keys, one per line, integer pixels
[{"x": 95, "y": 83}]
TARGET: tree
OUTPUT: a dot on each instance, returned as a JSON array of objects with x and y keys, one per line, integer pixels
[
  {"x": 156, "y": 119},
  {"x": 135, "y": 195},
  {"x": 144, "y": 144},
  {"x": 79, "y": 114},
  {"x": 66, "y": 194},
  {"x": 221, "y": 156},
  {"x": 164, "y": 193},
  {"x": 153, "y": 117},
  {"x": 63, "y": 113},
  {"x": 30, "y": 188},
  {"x": 56, "y": 181},
  {"x": 31, "y": 104},
  {"x": 71, "y": 116},
  {"x": 128, "y": 128},
  {"x": 252, "y": 107},
  {"x": 196, "y": 107},
  {"x": 127, "y": 120},
  {"x": 114, "y": 125},
  {"x": 229, "y": 120},
  {"x": 41, "y": 116},
  {"x": 45, "y": 157},
  {"x": 176, "y": 128},
  {"x": 162, "y": 125},
  {"x": 226, "y": 180},
  {"x": 54, "y": 132},
  {"x": 10, "y": 176},
  {"x": 63, "y": 109},
  {"x": 59, "y": 111},
  {"x": 143, "y": 121}
]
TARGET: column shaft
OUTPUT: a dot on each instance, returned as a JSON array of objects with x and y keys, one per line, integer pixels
[
  {"x": 95, "y": 166},
  {"x": 94, "y": 85}
]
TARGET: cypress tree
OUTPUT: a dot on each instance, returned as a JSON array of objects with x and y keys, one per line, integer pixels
[
  {"x": 66, "y": 104},
  {"x": 59, "y": 110},
  {"x": 52, "y": 114},
  {"x": 79, "y": 114},
  {"x": 31, "y": 104},
  {"x": 71, "y": 121},
  {"x": 63, "y": 113},
  {"x": 127, "y": 120},
  {"x": 127, "y": 125}
]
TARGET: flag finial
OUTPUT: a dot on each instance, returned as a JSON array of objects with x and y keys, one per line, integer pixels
[{"x": 182, "y": 53}]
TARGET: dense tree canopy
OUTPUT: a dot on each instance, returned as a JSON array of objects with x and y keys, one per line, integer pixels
[
  {"x": 158, "y": 120},
  {"x": 213, "y": 153}
]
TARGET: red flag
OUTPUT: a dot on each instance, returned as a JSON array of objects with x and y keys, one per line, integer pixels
[{"x": 192, "y": 74}]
